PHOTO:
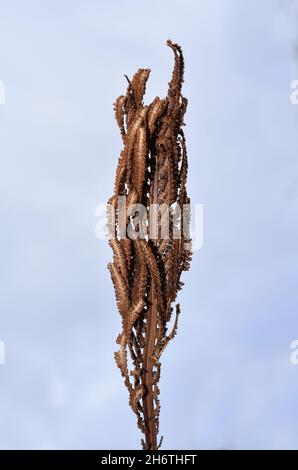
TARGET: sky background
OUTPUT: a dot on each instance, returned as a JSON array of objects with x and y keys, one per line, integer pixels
[{"x": 227, "y": 380}]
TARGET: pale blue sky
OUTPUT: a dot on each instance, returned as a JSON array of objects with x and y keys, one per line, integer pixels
[{"x": 227, "y": 380}]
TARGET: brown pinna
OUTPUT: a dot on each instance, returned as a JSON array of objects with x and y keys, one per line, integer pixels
[{"x": 146, "y": 270}]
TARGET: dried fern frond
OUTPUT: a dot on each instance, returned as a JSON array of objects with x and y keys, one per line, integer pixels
[{"x": 152, "y": 169}]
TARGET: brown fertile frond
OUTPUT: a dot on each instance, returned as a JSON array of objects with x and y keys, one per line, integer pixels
[
  {"x": 156, "y": 109},
  {"x": 152, "y": 169},
  {"x": 175, "y": 85},
  {"x": 119, "y": 259},
  {"x": 140, "y": 160},
  {"x": 136, "y": 396},
  {"x": 127, "y": 248},
  {"x": 134, "y": 314},
  {"x": 141, "y": 118},
  {"x": 139, "y": 277},
  {"x": 120, "y": 177},
  {"x": 121, "y": 360},
  {"x": 138, "y": 86},
  {"x": 119, "y": 115},
  {"x": 165, "y": 341},
  {"x": 121, "y": 291}
]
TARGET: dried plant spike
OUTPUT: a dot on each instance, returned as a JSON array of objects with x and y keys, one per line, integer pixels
[{"x": 145, "y": 270}]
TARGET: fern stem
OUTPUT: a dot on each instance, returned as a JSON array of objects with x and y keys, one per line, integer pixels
[{"x": 148, "y": 405}]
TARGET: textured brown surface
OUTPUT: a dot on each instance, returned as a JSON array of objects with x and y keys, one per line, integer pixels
[{"x": 152, "y": 168}]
